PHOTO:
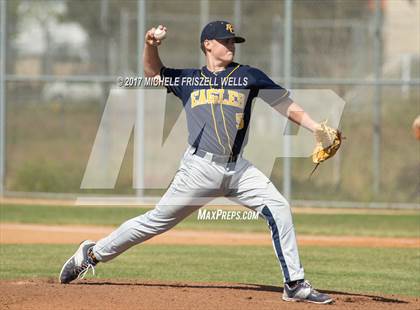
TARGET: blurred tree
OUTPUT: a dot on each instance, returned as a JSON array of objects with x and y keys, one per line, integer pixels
[
  {"x": 42, "y": 14},
  {"x": 11, "y": 33},
  {"x": 101, "y": 19}
]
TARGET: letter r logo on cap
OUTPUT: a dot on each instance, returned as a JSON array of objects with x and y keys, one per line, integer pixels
[{"x": 229, "y": 28}]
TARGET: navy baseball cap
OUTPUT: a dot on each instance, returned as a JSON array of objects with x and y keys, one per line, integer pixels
[{"x": 219, "y": 30}]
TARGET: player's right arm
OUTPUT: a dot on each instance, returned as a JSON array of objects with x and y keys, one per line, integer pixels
[
  {"x": 153, "y": 66},
  {"x": 151, "y": 60}
]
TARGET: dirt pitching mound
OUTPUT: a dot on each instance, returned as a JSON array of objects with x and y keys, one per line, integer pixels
[{"x": 102, "y": 294}]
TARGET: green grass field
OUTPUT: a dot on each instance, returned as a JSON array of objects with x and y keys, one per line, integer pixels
[
  {"x": 357, "y": 270},
  {"x": 377, "y": 225}
]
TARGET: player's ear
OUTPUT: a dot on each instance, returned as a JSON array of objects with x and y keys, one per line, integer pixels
[{"x": 206, "y": 46}]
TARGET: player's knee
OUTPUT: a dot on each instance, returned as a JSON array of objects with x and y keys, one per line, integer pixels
[
  {"x": 279, "y": 216},
  {"x": 279, "y": 210},
  {"x": 277, "y": 202},
  {"x": 274, "y": 198}
]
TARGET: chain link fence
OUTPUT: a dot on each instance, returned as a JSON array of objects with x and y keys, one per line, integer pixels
[{"x": 60, "y": 60}]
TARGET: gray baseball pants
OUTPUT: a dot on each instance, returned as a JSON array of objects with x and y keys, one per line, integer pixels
[{"x": 198, "y": 181}]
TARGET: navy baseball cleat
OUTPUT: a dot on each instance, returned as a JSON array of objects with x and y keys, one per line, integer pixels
[
  {"x": 304, "y": 292},
  {"x": 79, "y": 264}
]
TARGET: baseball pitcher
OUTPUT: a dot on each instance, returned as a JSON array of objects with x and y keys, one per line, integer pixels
[{"x": 217, "y": 100}]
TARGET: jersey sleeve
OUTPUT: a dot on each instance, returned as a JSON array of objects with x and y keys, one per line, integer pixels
[
  {"x": 174, "y": 75},
  {"x": 269, "y": 91}
]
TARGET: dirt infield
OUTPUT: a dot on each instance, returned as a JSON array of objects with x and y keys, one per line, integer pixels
[
  {"x": 46, "y": 234},
  {"x": 142, "y": 294},
  {"x": 47, "y": 294}
]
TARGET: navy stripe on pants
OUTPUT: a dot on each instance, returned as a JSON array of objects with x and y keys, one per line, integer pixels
[{"x": 276, "y": 241}]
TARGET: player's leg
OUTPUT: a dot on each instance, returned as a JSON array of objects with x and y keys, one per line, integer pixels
[
  {"x": 253, "y": 189},
  {"x": 192, "y": 187},
  {"x": 170, "y": 210}
]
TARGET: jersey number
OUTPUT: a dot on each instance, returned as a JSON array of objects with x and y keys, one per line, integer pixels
[{"x": 239, "y": 121}]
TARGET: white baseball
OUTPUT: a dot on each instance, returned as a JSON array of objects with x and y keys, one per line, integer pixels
[{"x": 159, "y": 34}]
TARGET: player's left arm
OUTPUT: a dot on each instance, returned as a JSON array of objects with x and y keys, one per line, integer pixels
[
  {"x": 296, "y": 114},
  {"x": 278, "y": 98},
  {"x": 328, "y": 140}
]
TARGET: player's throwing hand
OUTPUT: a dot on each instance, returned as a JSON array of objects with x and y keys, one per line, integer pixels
[{"x": 153, "y": 40}]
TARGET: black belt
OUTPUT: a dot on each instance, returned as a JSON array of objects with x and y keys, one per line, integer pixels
[{"x": 222, "y": 159}]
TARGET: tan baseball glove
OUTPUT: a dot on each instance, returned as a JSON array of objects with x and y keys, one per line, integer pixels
[{"x": 328, "y": 141}]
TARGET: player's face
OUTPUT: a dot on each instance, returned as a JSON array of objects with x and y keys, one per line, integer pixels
[{"x": 223, "y": 49}]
